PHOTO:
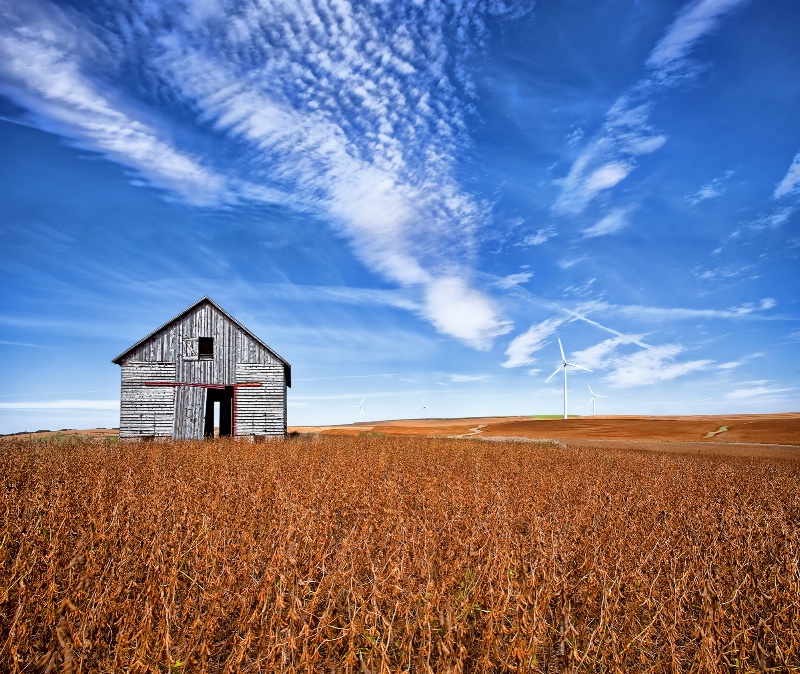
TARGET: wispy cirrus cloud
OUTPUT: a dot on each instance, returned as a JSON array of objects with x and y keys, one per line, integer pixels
[
  {"x": 62, "y": 405},
  {"x": 27, "y": 345},
  {"x": 791, "y": 181},
  {"x": 523, "y": 346},
  {"x": 610, "y": 156},
  {"x": 650, "y": 363},
  {"x": 539, "y": 237},
  {"x": 341, "y": 294},
  {"x": 513, "y": 280},
  {"x": 467, "y": 378},
  {"x": 348, "y": 376},
  {"x": 733, "y": 364},
  {"x": 670, "y": 59},
  {"x": 716, "y": 188},
  {"x": 354, "y": 112},
  {"x": 748, "y": 310},
  {"x": 627, "y": 133},
  {"x": 44, "y": 55},
  {"x": 599, "y": 356},
  {"x": 612, "y": 223},
  {"x": 649, "y": 366},
  {"x": 785, "y": 201},
  {"x": 759, "y": 389}
]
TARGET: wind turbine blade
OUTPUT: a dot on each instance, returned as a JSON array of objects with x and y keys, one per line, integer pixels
[
  {"x": 362, "y": 401},
  {"x": 558, "y": 369},
  {"x": 590, "y": 390},
  {"x": 590, "y": 402},
  {"x": 563, "y": 357},
  {"x": 580, "y": 367},
  {"x": 599, "y": 396}
]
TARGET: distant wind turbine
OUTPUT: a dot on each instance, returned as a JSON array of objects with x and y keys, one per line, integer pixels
[
  {"x": 360, "y": 407},
  {"x": 591, "y": 402},
  {"x": 564, "y": 365}
]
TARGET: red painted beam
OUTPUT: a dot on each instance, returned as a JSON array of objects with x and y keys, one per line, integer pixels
[{"x": 182, "y": 383}]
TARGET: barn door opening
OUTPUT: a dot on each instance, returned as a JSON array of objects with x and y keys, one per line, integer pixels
[{"x": 219, "y": 400}]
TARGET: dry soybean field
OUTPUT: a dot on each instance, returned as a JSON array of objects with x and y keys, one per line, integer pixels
[{"x": 394, "y": 554}]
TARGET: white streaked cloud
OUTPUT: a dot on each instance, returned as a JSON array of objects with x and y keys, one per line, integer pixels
[
  {"x": 521, "y": 348},
  {"x": 291, "y": 292},
  {"x": 601, "y": 355},
  {"x": 716, "y": 188},
  {"x": 695, "y": 21},
  {"x": 513, "y": 280},
  {"x": 774, "y": 218},
  {"x": 610, "y": 156},
  {"x": 44, "y": 71},
  {"x": 791, "y": 181},
  {"x": 612, "y": 223},
  {"x": 569, "y": 262},
  {"x": 606, "y": 177},
  {"x": 758, "y": 389},
  {"x": 62, "y": 405},
  {"x": 627, "y": 134},
  {"x": 539, "y": 237},
  {"x": 349, "y": 376},
  {"x": 744, "y": 360},
  {"x": 465, "y": 378},
  {"x": 649, "y": 366},
  {"x": 5, "y": 342},
  {"x": 640, "y": 312}
]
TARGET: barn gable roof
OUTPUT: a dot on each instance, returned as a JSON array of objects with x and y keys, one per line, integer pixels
[{"x": 207, "y": 300}]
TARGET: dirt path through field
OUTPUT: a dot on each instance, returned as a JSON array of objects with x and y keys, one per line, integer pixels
[{"x": 775, "y": 435}]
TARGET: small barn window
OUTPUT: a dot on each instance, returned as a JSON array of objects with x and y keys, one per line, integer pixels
[{"x": 205, "y": 347}]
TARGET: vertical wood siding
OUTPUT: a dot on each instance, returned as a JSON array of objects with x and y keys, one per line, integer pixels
[
  {"x": 146, "y": 411},
  {"x": 238, "y": 358},
  {"x": 190, "y": 410}
]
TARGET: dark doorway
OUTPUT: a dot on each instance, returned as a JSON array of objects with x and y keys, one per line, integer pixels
[{"x": 224, "y": 398}]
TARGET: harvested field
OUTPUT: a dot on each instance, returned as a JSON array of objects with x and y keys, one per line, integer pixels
[
  {"x": 741, "y": 428},
  {"x": 768, "y": 435},
  {"x": 392, "y": 553}
]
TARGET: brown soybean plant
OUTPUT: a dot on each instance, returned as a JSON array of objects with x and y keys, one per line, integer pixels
[{"x": 394, "y": 554}]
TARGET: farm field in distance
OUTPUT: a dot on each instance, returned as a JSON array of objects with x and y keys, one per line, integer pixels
[
  {"x": 744, "y": 434},
  {"x": 379, "y": 548}
]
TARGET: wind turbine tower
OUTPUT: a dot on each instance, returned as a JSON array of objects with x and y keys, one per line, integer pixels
[
  {"x": 564, "y": 365},
  {"x": 360, "y": 407},
  {"x": 592, "y": 401}
]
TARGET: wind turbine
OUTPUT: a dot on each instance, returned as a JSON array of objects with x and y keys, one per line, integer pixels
[
  {"x": 591, "y": 402},
  {"x": 360, "y": 407},
  {"x": 564, "y": 365}
]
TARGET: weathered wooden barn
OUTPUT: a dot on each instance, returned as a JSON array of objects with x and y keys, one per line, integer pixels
[{"x": 173, "y": 379}]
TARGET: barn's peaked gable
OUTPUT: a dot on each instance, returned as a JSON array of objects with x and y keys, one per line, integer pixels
[{"x": 205, "y": 300}]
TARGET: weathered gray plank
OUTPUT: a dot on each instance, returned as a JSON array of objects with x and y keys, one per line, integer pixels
[{"x": 190, "y": 409}]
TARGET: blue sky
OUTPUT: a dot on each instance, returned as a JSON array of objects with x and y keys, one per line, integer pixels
[{"x": 409, "y": 201}]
